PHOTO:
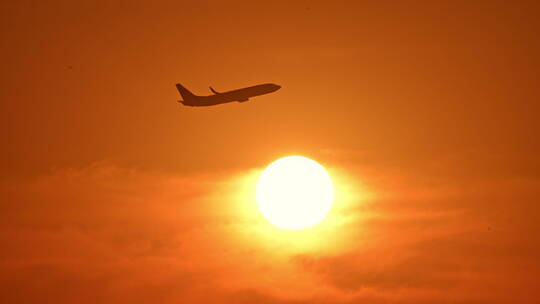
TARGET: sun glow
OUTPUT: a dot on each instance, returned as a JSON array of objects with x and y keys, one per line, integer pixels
[{"x": 294, "y": 193}]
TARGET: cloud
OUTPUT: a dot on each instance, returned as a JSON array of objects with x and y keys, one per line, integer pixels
[
  {"x": 108, "y": 234},
  {"x": 444, "y": 240}
]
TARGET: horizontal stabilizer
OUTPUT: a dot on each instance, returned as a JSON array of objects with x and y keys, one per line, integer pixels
[{"x": 214, "y": 91}]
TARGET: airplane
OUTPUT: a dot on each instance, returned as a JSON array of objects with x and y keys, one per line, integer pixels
[{"x": 240, "y": 95}]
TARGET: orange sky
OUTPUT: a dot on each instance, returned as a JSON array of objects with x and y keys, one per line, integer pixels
[{"x": 424, "y": 112}]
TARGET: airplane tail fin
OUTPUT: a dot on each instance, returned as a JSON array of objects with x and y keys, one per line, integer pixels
[{"x": 185, "y": 93}]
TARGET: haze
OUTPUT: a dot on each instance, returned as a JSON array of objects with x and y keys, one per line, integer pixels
[{"x": 425, "y": 113}]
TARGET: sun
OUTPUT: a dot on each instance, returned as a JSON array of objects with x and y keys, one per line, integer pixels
[{"x": 294, "y": 193}]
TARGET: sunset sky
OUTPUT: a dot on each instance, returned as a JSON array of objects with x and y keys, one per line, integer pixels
[{"x": 424, "y": 113}]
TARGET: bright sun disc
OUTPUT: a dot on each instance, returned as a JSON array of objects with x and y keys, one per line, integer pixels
[{"x": 294, "y": 192}]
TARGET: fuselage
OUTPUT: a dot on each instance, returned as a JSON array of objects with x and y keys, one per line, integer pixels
[{"x": 239, "y": 95}]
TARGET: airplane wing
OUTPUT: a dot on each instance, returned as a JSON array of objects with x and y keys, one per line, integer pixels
[{"x": 214, "y": 91}]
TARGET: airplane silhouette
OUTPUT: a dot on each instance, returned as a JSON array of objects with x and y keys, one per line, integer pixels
[{"x": 240, "y": 95}]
